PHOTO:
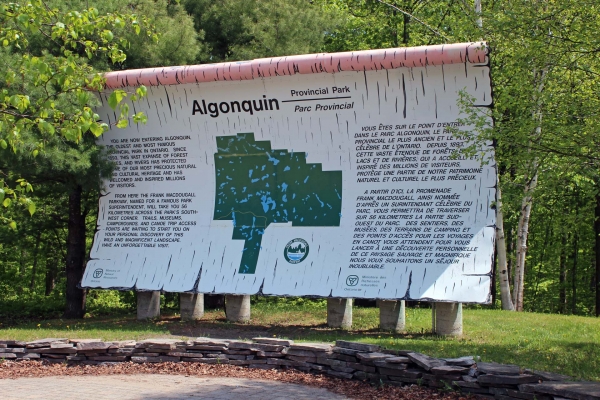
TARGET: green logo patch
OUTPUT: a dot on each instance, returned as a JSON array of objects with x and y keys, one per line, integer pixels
[{"x": 296, "y": 251}]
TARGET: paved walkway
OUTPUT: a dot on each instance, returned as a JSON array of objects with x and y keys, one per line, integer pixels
[{"x": 164, "y": 387}]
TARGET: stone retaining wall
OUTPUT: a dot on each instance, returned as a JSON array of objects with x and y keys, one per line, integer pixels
[{"x": 346, "y": 360}]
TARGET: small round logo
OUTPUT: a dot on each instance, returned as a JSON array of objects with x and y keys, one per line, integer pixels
[
  {"x": 352, "y": 280},
  {"x": 296, "y": 251},
  {"x": 98, "y": 272}
]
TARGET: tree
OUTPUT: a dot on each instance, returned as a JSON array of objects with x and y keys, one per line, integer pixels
[
  {"x": 243, "y": 29},
  {"x": 48, "y": 126},
  {"x": 544, "y": 69},
  {"x": 545, "y": 74},
  {"x": 178, "y": 42}
]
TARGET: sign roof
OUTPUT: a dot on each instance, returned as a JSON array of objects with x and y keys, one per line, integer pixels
[{"x": 367, "y": 60}]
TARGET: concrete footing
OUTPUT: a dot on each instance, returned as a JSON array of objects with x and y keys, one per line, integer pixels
[
  {"x": 237, "y": 308},
  {"x": 391, "y": 315},
  {"x": 148, "y": 305},
  {"x": 191, "y": 306},
  {"x": 339, "y": 313},
  {"x": 447, "y": 319}
]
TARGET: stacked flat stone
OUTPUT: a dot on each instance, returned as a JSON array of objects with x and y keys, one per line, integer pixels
[
  {"x": 346, "y": 360},
  {"x": 15, "y": 350}
]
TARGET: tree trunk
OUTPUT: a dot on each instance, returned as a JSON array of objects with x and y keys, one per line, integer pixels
[
  {"x": 35, "y": 260},
  {"x": 50, "y": 280},
  {"x": 395, "y": 29},
  {"x": 530, "y": 185},
  {"x": 51, "y": 267},
  {"x": 405, "y": 34},
  {"x": 574, "y": 275},
  {"x": 597, "y": 237},
  {"x": 574, "y": 257},
  {"x": 75, "y": 257},
  {"x": 478, "y": 12},
  {"x": 510, "y": 249},
  {"x": 493, "y": 282},
  {"x": 21, "y": 270},
  {"x": 542, "y": 262},
  {"x": 504, "y": 277},
  {"x": 522, "y": 234},
  {"x": 562, "y": 278}
]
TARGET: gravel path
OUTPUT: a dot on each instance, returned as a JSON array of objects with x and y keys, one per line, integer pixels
[
  {"x": 154, "y": 386},
  {"x": 36, "y": 380}
]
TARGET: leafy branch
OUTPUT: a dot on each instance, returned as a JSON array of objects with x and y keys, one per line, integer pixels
[{"x": 50, "y": 95}]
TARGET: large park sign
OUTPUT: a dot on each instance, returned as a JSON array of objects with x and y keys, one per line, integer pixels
[{"x": 318, "y": 175}]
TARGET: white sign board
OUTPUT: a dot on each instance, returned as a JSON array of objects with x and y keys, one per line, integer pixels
[{"x": 335, "y": 184}]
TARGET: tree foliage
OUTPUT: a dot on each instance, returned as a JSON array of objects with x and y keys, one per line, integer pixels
[
  {"x": 243, "y": 30},
  {"x": 545, "y": 72},
  {"x": 46, "y": 102},
  {"x": 47, "y": 123},
  {"x": 179, "y": 42}
]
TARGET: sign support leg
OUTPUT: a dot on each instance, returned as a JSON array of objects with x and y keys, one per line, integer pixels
[
  {"x": 191, "y": 306},
  {"x": 148, "y": 305},
  {"x": 391, "y": 315},
  {"x": 339, "y": 313},
  {"x": 237, "y": 308},
  {"x": 447, "y": 319}
]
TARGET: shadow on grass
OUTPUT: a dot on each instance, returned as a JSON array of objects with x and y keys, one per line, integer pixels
[{"x": 220, "y": 328}]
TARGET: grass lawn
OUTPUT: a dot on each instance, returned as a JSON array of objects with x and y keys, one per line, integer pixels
[{"x": 555, "y": 343}]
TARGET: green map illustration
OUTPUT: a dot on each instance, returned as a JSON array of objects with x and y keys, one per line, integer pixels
[{"x": 257, "y": 186}]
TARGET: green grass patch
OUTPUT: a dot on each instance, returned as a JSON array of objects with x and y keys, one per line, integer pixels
[{"x": 548, "y": 342}]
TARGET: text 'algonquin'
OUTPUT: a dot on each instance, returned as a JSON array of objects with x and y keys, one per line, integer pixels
[{"x": 226, "y": 107}]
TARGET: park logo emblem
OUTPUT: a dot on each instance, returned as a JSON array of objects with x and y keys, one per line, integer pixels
[
  {"x": 98, "y": 272},
  {"x": 296, "y": 251},
  {"x": 352, "y": 280}
]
